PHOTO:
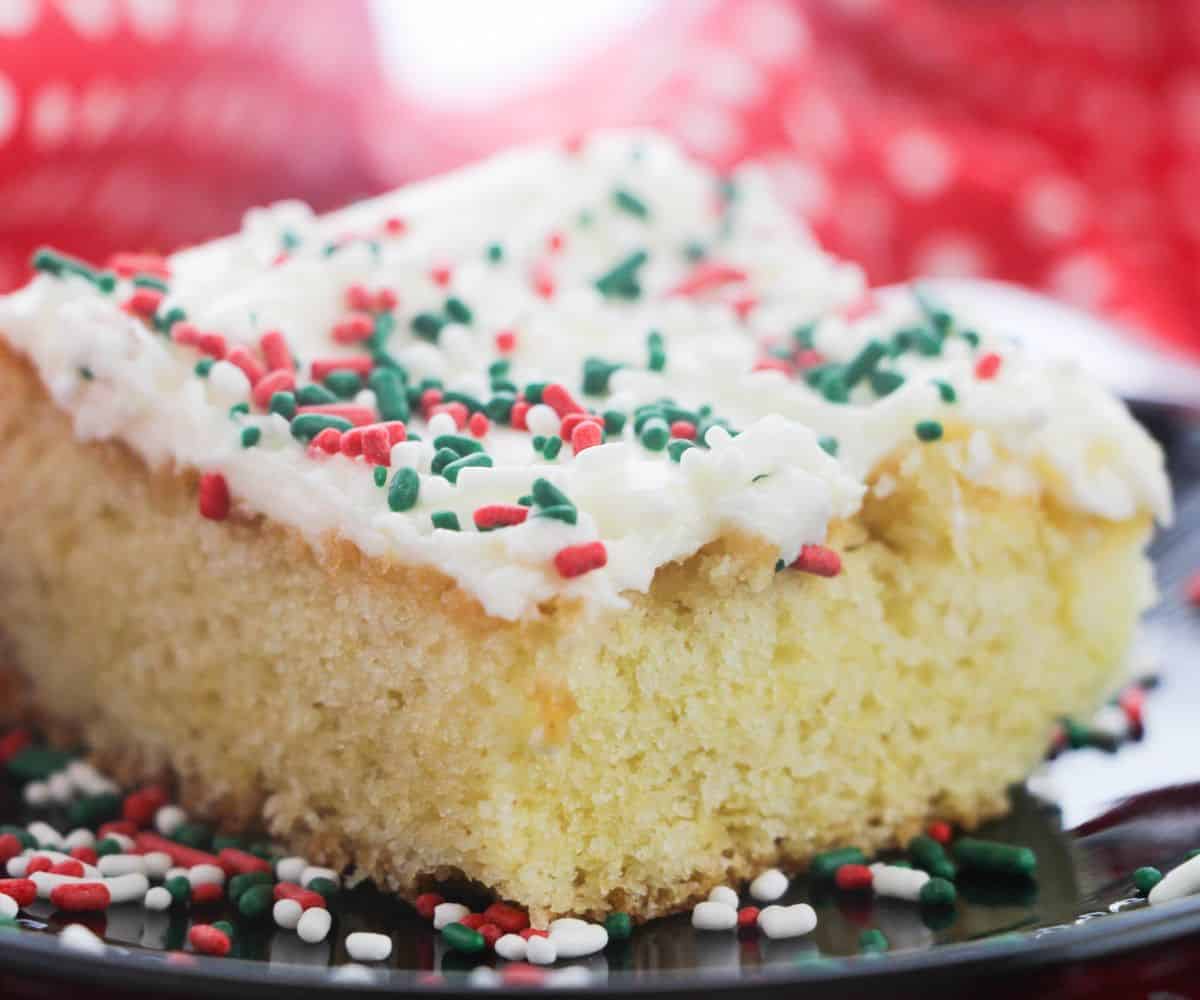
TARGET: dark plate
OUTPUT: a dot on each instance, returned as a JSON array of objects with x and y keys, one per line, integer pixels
[{"x": 1112, "y": 812}]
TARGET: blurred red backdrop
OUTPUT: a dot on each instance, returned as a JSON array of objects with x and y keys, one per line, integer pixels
[{"x": 1053, "y": 144}]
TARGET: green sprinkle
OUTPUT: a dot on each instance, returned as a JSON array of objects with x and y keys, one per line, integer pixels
[
  {"x": 677, "y": 447},
  {"x": 928, "y": 430},
  {"x": 283, "y": 403},
  {"x": 596, "y": 374},
  {"x": 526, "y": 500},
  {"x": 802, "y": 336},
  {"x": 534, "y": 390},
  {"x": 546, "y": 494},
  {"x": 946, "y": 391},
  {"x": 445, "y": 519},
  {"x": 239, "y": 410},
  {"x": 164, "y": 321},
  {"x": 1146, "y": 878},
  {"x": 108, "y": 846},
  {"x": 872, "y": 942},
  {"x": 256, "y": 901},
  {"x": 178, "y": 886},
  {"x": 443, "y": 457},
  {"x": 833, "y": 387},
  {"x": 251, "y": 436},
  {"x": 196, "y": 835},
  {"x": 928, "y": 854},
  {"x": 939, "y": 318},
  {"x": 314, "y": 395},
  {"x": 619, "y": 926},
  {"x": 92, "y": 810},
  {"x": 289, "y": 240},
  {"x": 971, "y": 337},
  {"x": 247, "y": 880},
  {"x": 655, "y": 434},
  {"x": 695, "y": 251},
  {"x": 380, "y": 474},
  {"x": 470, "y": 402},
  {"x": 343, "y": 382},
  {"x": 552, "y": 448},
  {"x": 993, "y": 856},
  {"x": 629, "y": 202},
  {"x": 614, "y": 422},
  {"x": 460, "y": 444},
  {"x": 499, "y": 368},
  {"x": 863, "y": 363},
  {"x": 499, "y": 407},
  {"x": 404, "y": 489},
  {"x": 828, "y": 444},
  {"x": 884, "y": 383},
  {"x": 203, "y": 367},
  {"x": 427, "y": 326},
  {"x": 307, "y": 426},
  {"x": 538, "y": 441},
  {"x": 150, "y": 281},
  {"x": 938, "y": 891},
  {"x": 826, "y": 864},
  {"x": 457, "y": 310},
  {"x": 224, "y": 926},
  {"x": 325, "y": 887},
  {"x": 620, "y": 282},
  {"x": 656, "y": 350},
  {"x": 564, "y": 512},
  {"x": 222, "y": 840},
  {"x": 503, "y": 385},
  {"x": 85, "y": 373},
  {"x": 479, "y": 461},
  {"x": 459, "y": 937},
  {"x": 37, "y": 763},
  {"x": 390, "y": 398},
  {"x": 495, "y": 253}
]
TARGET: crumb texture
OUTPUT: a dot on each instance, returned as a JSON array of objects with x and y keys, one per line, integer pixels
[{"x": 733, "y": 717}]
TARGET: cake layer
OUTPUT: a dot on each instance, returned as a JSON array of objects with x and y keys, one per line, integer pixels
[{"x": 730, "y": 717}]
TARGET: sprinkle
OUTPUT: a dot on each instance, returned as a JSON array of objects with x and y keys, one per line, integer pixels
[
  {"x": 457, "y": 443},
  {"x": 677, "y": 447},
  {"x": 390, "y": 397},
  {"x": 596, "y": 375},
  {"x": 884, "y": 383},
  {"x": 828, "y": 444},
  {"x": 853, "y": 878},
  {"x": 863, "y": 363},
  {"x": 314, "y": 395},
  {"x": 499, "y": 515},
  {"x": 619, "y": 926},
  {"x": 354, "y": 328},
  {"x": 614, "y": 422},
  {"x": 818, "y": 560},
  {"x": 946, "y": 391},
  {"x": 283, "y": 403},
  {"x": 872, "y": 942},
  {"x": 277, "y": 380},
  {"x": 995, "y": 857},
  {"x": 748, "y": 917},
  {"x": 711, "y": 915},
  {"x": 1146, "y": 878},
  {"x": 478, "y": 424},
  {"x": 781, "y": 922},
  {"x": 551, "y": 448},
  {"x": 826, "y": 864},
  {"x": 655, "y": 434},
  {"x": 404, "y": 490},
  {"x": 451, "y": 471},
  {"x": 627, "y": 201},
  {"x": 214, "y": 496},
  {"x": 251, "y": 436},
  {"x": 313, "y": 926},
  {"x": 361, "y": 364},
  {"x": 459, "y": 937},
  {"x": 445, "y": 519},
  {"x": 938, "y": 892},
  {"x": 506, "y": 341},
  {"x": 928, "y": 854},
  {"x": 560, "y": 400},
  {"x": 769, "y": 886},
  {"x": 706, "y": 277},
  {"x": 441, "y": 275},
  {"x": 343, "y": 383},
  {"x": 457, "y": 311},
  {"x": 655, "y": 346},
  {"x": 354, "y": 415},
  {"x": 377, "y": 445},
  {"x": 395, "y": 226},
  {"x": 928, "y": 430},
  {"x": 587, "y": 434},
  {"x": 364, "y": 946},
  {"x": 621, "y": 280},
  {"x": 495, "y": 253},
  {"x": 575, "y": 560},
  {"x": 940, "y": 831},
  {"x": 81, "y": 896},
  {"x": 987, "y": 366},
  {"x": 243, "y": 359},
  {"x": 143, "y": 302},
  {"x": 683, "y": 429}
]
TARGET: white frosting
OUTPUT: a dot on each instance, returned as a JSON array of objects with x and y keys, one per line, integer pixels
[{"x": 772, "y": 479}]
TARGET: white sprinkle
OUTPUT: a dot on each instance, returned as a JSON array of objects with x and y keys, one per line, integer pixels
[
  {"x": 45, "y": 834},
  {"x": 769, "y": 886},
  {"x": 1111, "y": 721},
  {"x": 714, "y": 916},
  {"x": 157, "y": 864},
  {"x": 540, "y": 951},
  {"x": 127, "y": 888},
  {"x": 176, "y": 872},
  {"x": 576, "y": 941},
  {"x": 157, "y": 899},
  {"x": 363, "y": 946},
  {"x": 16, "y": 866},
  {"x": 78, "y": 938},
  {"x": 59, "y": 788},
  {"x": 1183, "y": 880},
  {"x": 511, "y": 947},
  {"x": 313, "y": 871},
  {"x": 36, "y": 793},
  {"x": 206, "y": 874},
  {"x": 8, "y": 907},
  {"x": 313, "y": 925},
  {"x": 290, "y": 869},
  {"x": 898, "y": 882},
  {"x": 80, "y": 837},
  {"x": 724, "y": 894},
  {"x": 286, "y": 913},
  {"x": 121, "y": 864},
  {"x": 47, "y": 883},
  {"x": 448, "y": 913},
  {"x": 541, "y": 419},
  {"x": 439, "y": 424},
  {"x": 168, "y": 819},
  {"x": 787, "y": 921}
]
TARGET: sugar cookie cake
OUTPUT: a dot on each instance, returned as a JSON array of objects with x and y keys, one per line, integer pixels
[{"x": 570, "y": 523}]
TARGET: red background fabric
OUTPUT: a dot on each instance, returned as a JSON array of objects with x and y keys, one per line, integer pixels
[{"x": 1055, "y": 144}]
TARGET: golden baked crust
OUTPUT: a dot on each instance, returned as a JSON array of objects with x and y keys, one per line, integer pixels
[{"x": 729, "y": 719}]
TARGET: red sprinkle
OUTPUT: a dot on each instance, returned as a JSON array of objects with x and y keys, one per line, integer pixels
[
  {"x": 357, "y": 415},
  {"x": 209, "y": 940},
  {"x": 490, "y": 934},
  {"x": 479, "y": 424},
  {"x": 987, "y": 366},
  {"x": 214, "y": 496},
  {"x": 395, "y": 226},
  {"x": 587, "y": 434},
  {"x": 358, "y": 297},
  {"x": 555, "y": 242},
  {"x": 818, "y": 560},
  {"x": 509, "y": 919},
  {"x": 81, "y": 896},
  {"x": 748, "y": 916},
  {"x": 250, "y": 365},
  {"x": 517, "y": 416},
  {"x": 181, "y": 855},
  {"x": 360, "y": 363},
  {"x": 575, "y": 560},
  {"x": 853, "y": 878},
  {"x": 12, "y": 743},
  {"x": 385, "y": 300},
  {"x": 457, "y": 410},
  {"x": 328, "y": 440},
  {"x": 188, "y": 335},
  {"x": 506, "y": 341},
  {"x": 429, "y": 399},
  {"x": 1132, "y": 701},
  {"x": 707, "y": 276},
  {"x": 212, "y": 344},
  {"x": 143, "y": 302},
  {"x": 529, "y": 932},
  {"x": 69, "y": 866},
  {"x": 473, "y": 920},
  {"x": 286, "y": 890},
  {"x": 207, "y": 892},
  {"x": 85, "y": 854},
  {"x": 139, "y": 807},
  {"x": 543, "y": 279},
  {"x": 572, "y": 420},
  {"x": 275, "y": 351},
  {"x": 499, "y": 515},
  {"x": 441, "y": 275},
  {"x": 354, "y": 328},
  {"x": 940, "y": 831},
  {"x": 683, "y": 429},
  {"x": 38, "y": 863},
  {"x": 10, "y": 847},
  {"x": 23, "y": 890},
  {"x": 744, "y": 306},
  {"x": 235, "y": 862},
  {"x": 427, "y": 902},
  {"x": 377, "y": 445},
  {"x": 772, "y": 365},
  {"x": 560, "y": 400},
  {"x": 279, "y": 380}
]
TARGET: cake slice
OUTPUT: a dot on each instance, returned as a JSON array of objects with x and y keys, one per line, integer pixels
[{"x": 571, "y": 524}]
